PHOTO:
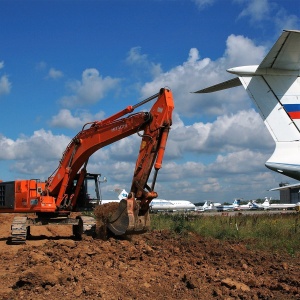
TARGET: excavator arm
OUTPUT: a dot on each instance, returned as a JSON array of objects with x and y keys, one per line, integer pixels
[
  {"x": 153, "y": 127},
  {"x": 133, "y": 213}
]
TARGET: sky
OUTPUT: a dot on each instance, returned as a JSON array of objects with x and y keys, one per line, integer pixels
[{"x": 66, "y": 63}]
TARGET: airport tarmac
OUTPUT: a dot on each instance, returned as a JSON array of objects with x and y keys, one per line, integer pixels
[{"x": 246, "y": 212}]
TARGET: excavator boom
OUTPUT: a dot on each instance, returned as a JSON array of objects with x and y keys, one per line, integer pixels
[{"x": 84, "y": 144}]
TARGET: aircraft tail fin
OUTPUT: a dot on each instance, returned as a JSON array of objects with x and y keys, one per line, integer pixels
[
  {"x": 122, "y": 194},
  {"x": 274, "y": 87},
  {"x": 236, "y": 202},
  {"x": 266, "y": 203}
]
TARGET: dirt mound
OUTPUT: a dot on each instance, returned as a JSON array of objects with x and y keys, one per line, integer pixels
[
  {"x": 103, "y": 213},
  {"x": 155, "y": 265}
]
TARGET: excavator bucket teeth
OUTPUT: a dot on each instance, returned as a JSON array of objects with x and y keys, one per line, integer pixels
[{"x": 127, "y": 219}]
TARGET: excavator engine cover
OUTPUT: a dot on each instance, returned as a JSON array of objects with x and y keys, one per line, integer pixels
[{"x": 127, "y": 219}]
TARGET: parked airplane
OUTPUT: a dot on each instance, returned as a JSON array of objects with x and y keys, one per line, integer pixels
[
  {"x": 236, "y": 205},
  {"x": 157, "y": 205},
  {"x": 225, "y": 207},
  {"x": 268, "y": 205},
  {"x": 251, "y": 205},
  {"x": 275, "y": 90},
  {"x": 208, "y": 206},
  {"x": 96, "y": 199},
  {"x": 122, "y": 195},
  {"x": 183, "y": 205}
]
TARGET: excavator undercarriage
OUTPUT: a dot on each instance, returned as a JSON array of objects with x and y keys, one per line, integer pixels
[{"x": 20, "y": 228}]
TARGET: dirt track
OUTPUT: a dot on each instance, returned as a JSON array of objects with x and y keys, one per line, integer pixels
[{"x": 155, "y": 265}]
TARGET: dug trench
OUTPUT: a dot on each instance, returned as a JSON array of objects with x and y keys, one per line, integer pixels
[{"x": 154, "y": 265}]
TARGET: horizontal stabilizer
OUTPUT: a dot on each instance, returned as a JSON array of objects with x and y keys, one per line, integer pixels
[
  {"x": 285, "y": 54},
  {"x": 222, "y": 86}
]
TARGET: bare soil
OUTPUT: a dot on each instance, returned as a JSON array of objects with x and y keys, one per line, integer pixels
[{"x": 154, "y": 265}]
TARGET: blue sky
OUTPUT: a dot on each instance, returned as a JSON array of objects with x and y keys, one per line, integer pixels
[{"x": 65, "y": 63}]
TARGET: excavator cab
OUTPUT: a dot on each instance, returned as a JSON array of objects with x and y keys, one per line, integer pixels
[{"x": 89, "y": 194}]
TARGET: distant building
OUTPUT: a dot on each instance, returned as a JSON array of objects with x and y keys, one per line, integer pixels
[{"x": 290, "y": 195}]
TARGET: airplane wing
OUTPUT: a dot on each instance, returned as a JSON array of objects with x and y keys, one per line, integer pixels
[
  {"x": 285, "y": 53},
  {"x": 285, "y": 187},
  {"x": 222, "y": 86}
]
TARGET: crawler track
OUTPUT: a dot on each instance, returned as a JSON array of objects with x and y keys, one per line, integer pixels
[{"x": 19, "y": 230}]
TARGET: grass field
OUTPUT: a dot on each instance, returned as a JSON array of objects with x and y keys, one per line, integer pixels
[{"x": 273, "y": 232}]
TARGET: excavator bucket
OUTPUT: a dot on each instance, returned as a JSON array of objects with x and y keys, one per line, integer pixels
[{"x": 127, "y": 219}]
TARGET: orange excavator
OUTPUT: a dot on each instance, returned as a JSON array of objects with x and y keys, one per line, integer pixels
[{"x": 52, "y": 201}]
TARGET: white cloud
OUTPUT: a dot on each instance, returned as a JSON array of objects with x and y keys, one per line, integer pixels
[
  {"x": 5, "y": 85},
  {"x": 257, "y": 10},
  {"x": 201, "y": 4},
  {"x": 227, "y": 133},
  {"x": 55, "y": 74},
  {"x": 239, "y": 162},
  {"x": 120, "y": 172},
  {"x": 285, "y": 21},
  {"x": 140, "y": 61},
  {"x": 40, "y": 66},
  {"x": 34, "y": 167},
  {"x": 126, "y": 149},
  {"x": 211, "y": 185},
  {"x": 65, "y": 119},
  {"x": 40, "y": 146},
  {"x": 135, "y": 57},
  {"x": 241, "y": 51},
  {"x": 90, "y": 89},
  {"x": 245, "y": 129},
  {"x": 197, "y": 73},
  {"x": 261, "y": 11},
  {"x": 236, "y": 174}
]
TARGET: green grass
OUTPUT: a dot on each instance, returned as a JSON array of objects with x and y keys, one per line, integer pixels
[{"x": 273, "y": 232}]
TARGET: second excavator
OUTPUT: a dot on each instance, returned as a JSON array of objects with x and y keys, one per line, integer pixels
[{"x": 52, "y": 201}]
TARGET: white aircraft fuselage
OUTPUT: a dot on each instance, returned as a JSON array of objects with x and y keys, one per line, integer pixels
[
  {"x": 157, "y": 205},
  {"x": 272, "y": 206}
]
